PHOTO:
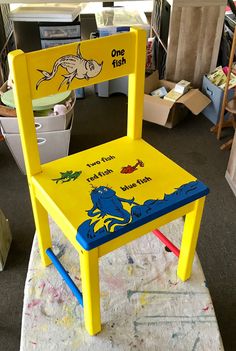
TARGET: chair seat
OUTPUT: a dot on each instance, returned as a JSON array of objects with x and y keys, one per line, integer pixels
[{"x": 113, "y": 188}]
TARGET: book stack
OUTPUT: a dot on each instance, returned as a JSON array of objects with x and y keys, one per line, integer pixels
[
  {"x": 179, "y": 90},
  {"x": 218, "y": 77},
  {"x": 172, "y": 95},
  {"x": 182, "y": 87},
  {"x": 161, "y": 92}
]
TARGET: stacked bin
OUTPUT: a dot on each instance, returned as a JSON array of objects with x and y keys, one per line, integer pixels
[
  {"x": 111, "y": 20},
  {"x": 53, "y": 135}
]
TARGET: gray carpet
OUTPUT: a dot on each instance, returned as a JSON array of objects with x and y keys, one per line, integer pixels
[{"x": 192, "y": 146}]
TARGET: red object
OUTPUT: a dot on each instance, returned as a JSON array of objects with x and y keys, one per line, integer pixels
[
  {"x": 227, "y": 9},
  {"x": 205, "y": 309},
  {"x": 226, "y": 70},
  {"x": 130, "y": 169},
  {"x": 167, "y": 242}
]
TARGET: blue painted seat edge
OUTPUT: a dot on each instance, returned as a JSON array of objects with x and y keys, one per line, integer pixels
[{"x": 202, "y": 191}]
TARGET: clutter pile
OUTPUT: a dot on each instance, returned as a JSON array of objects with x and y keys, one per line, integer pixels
[
  {"x": 219, "y": 75},
  {"x": 174, "y": 94},
  {"x": 167, "y": 103},
  {"x": 53, "y": 122}
]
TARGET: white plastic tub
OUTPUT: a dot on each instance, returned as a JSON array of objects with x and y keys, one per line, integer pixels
[
  {"x": 42, "y": 124},
  {"x": 52, "y": 145}
]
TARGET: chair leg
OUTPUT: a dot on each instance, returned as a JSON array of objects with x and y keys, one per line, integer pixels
[
  {"x": 189, "y": 240},
  {"x": 227, "y": 145},
  {"x": 90, "y": 287},
  {"x": 42, "y": 229}
]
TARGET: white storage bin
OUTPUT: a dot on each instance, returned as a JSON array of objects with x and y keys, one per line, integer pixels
[
  {"x": 112, "y": 20},
  {"x": 42, "y": 124},
  {"x": 54, "y": 32},
  {"x": 46, "y": 12},
  {"x": 118, "y": 85},
  {"x": 55, "y": 42},
  {"x": 52, "y": 145}
]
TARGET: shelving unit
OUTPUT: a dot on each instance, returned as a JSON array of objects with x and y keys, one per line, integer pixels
[{"x": 227, "y": 105}]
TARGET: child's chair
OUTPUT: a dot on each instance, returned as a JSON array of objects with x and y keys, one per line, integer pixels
[{"x": 109, "y": 195}]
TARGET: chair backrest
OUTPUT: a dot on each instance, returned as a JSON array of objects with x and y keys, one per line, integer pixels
[{"x": 71, "y": 66}]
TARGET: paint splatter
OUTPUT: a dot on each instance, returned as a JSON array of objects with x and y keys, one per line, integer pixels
[
  {"x": 171, "y": 283},
  {"x": 59, "y": 249},
  {"x": 143, "y": 299},
  {"x": 34, "y": 303},
  {"x": 130, "y": 269},
  {"x": 130, "y": 260},
  {"x": 33, "y": 342},
  {"x": 195, "y": 343},
  {"x": 205, "y": 309}
]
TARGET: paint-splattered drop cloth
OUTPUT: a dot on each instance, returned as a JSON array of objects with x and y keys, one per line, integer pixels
[{"x": 144, "y": 305}]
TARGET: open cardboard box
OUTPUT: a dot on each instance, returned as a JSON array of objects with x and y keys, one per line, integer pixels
[{"x": 168, "y": 113}]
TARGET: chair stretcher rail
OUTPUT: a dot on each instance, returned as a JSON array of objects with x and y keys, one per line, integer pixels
[
  {"x": 65, "y": 276},
  {"x": 167, "y": 242}
]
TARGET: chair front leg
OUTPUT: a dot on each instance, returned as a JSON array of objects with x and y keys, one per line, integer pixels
[
  {"x": 42, "y": 229},
  {"x": 90, "y": 287},
  {"x": 189, "y": 239}
]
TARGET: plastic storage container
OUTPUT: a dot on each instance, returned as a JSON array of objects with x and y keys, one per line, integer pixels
[
  {"x": 119, "y": 85},
  {"x": 119, "y": 19},
  {"x": 53, "y": 32},
  {"x": 52, "y": 145},
  {"x": 55, "y": 42},
  {"x": 42, "y": 124},
  {"x": 54, "y": 35},
  {"x": 111, "y": 20}
]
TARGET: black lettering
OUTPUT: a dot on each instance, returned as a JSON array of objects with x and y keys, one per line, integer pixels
[{"x": 113, "y": 53}]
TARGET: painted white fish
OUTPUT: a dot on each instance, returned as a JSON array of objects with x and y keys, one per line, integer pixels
[{"x": 76, "y": 66}]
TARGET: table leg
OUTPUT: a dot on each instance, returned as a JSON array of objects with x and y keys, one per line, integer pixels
[
  {"x": 189, "y": 239},
  {"x": 90, "y": 288}
]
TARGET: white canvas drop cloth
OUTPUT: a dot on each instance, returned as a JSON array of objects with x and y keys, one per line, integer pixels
[{"x": 144, "y": 306}]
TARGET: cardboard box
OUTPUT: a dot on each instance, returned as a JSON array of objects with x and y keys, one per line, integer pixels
[
  {"x": 215, "y": 94},
  {"x": 52, "y": 145},
  {"x": 42, "y": 124},
  {"x": 168, "y": 113}
]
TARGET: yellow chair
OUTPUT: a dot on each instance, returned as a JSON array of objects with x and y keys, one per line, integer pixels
[{"x": 109, "y": 195}]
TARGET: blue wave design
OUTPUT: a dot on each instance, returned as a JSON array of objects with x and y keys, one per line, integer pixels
[{"x": 107, "y": 203}]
